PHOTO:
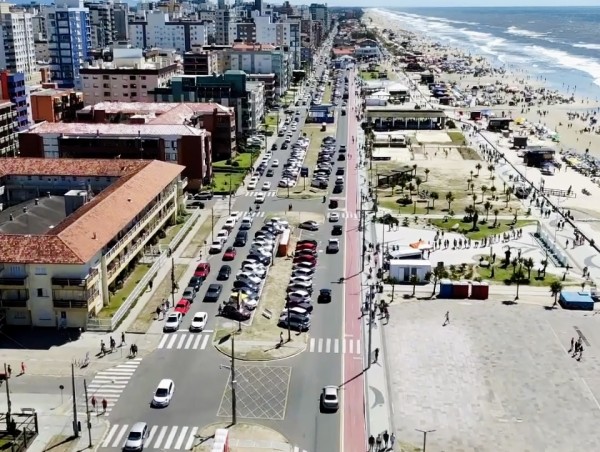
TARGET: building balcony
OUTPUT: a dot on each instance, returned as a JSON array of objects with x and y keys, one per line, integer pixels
[
  {"x": 78, "y": 299},
  {"x": 14, "y": 298},
  {"x": 57, "y": 281},
  {"x": 13, "y": 282}
]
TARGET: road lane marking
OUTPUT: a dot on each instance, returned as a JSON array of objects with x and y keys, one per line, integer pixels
[
  {"x": 181, "y": 438},
  {"x": 162, "y": 342},
  {"x": 358, "y": 346},
  {"x": 188, "y": 344},
  {"x": 197, "y": 341},
  {"x": 344, "y": 346},
  {"x": 111, "y": 433},
  {"x": 336, "y": 346},
  {"x": 171, "y": 342},
  {"x": 328, "y": 346},
  {"x": 351, "y": 342},
  {"x": 161, "y": 435},
  {"x": 171, "y": 437},
  {"x": 119, "y": 436},
  {"x": 151, "y": 435},
  {"x": 181, "y": 341},
  {"x": 190, "y": 441},
  {"x": 312, "y": 345},
  {"x": 320, "y": 346},
  {"x": 204, "y": 342}
]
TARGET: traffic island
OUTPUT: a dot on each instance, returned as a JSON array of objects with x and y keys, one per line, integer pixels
[
  {"x": 259, "y": 339},
  {"x": 243, "y": 437}
]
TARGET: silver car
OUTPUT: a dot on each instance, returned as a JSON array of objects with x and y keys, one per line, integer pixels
[{"x": 137, "y": 436}]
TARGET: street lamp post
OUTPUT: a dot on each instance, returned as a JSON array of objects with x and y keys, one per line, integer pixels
[
  {"x": 424, "y": 432},
  {"x": 230, "y": 192}
]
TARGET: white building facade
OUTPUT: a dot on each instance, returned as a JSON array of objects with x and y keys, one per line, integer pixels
[{"x": 17, "y": 46}]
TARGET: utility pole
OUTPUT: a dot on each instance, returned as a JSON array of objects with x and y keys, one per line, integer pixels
[
  {"x": 371, "y": 320},
  {"x": 424, "y": 432},
  {"x": 87, "y": 410},
  {"x": 363, "y": 229},
  {"x": 233, "y": 382},
  {"x": 230, "y": 192},
  {"x": 75, "y": 423},
  {"x": 173, "y": 282},
  {"x": 212, "y": 224},
  {"x": 8, "y": 402}
]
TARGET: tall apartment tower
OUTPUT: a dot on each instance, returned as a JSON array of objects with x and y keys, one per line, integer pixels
[
  {"x": 17, "y": 48},
  {"x": 68, "y": 26},
  {"x": 121, "y": 13},
  {"x": 102, "y": 22}
]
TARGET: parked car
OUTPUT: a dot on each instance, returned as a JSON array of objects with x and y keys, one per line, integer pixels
[
  {"x": 224, "y": 273},
  {"x": 202, "y": 270},
  {"x": 189, "y": 293},
  {"x": 172, "y": 322},
  {"x": 231, "y": 311},
  {"x": 295, "y": 324},
  {"x": 195, "y": 282},
  {"x": 309, "y": 225},
  {"x": 183, "y": 306},
  {"x": 213, "y": 293},
  {"x": 229, "y": 254}
]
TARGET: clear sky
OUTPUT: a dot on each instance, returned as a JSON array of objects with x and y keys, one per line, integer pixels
[{"x": 446, "y": 3}]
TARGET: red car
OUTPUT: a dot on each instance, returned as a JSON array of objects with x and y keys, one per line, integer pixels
[
  {"x": 306, "y": 246},
  {"x": 229, "y": 254},
  {"x": 183, "y": 306},
  {"x": 202, "y": 270},
  {"x": 306, "y": 258}
]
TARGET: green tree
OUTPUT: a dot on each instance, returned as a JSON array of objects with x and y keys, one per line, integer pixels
[
  {"x": 434, "y": 195},
  {"x": 528, "y": 264},
  {"x": 411, "y": 188},
  {"x": 414, "y": 279},
  {"x": 555, "y": 289},
  {"x": 496, "y": 212},
  {"x": 478, "y": 168},
  {"x": 439, "y": 272},
  {"x": 427, "y": 171},
  {"x": 418, "y": 182},
  {"x": 487, "y": 206},
  {"x": 449, "y": 199},
  {"x": 514, "y": 263},
  {"x": 509, "y": 192},
  {"x": 474, "y": 196},
  {"x": 484, "y": 189},
  {"x": 491, "y": 169},
  {"x": 493, "y": 191}
]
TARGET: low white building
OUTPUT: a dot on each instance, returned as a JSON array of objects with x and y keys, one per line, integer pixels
[
  {"x": 256, "y": 104},
  {"x": 402, "y": 269}
]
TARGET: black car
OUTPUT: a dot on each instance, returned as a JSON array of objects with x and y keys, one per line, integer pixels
[
  {"x": 284, "y": 145},
  {"x": 337, "y": 189},
  {"x": 337, "y": 229},
  {"x": 324, "y": 296},
  {"x": 340, "y": 171},
  {"x": 309, "y": 225},
  {"x": 270, "y": 173},
  {"x": 224, "y": 273},
  {"x": 243, "y": 284},
  {"x": 241, "y": 238},
  {"x": 213, "y": 293},
  {"x": 274, "y": 147},
  {"x": 341, "y": 157},
  {"x": 231, "y": 311},
  {"x": 195, "y": 282}
]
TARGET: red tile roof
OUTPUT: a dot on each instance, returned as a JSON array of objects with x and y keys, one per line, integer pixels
[
  {"x": 83, "y": 234},
  {"x": 157, "y": 108},
  {"x": 78, "y": 128}
]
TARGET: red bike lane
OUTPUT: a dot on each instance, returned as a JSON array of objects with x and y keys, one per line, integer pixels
[{"x": 353, "y": 430}]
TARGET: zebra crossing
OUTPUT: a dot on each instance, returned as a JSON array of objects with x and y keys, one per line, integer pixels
[
  {"x": 329, "y": 345},
  {"x": 161, "y": 437},
  {"x": 184, "y": 341},
  {"x": 109, "y": 384},
  {"x": 268, "y": 194}
]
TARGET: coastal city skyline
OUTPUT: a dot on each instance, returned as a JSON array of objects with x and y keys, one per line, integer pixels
[{"x": 407, "y": 4}]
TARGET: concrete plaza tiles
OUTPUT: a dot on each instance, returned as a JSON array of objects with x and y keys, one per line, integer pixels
[{"x": 497, "y": 378}]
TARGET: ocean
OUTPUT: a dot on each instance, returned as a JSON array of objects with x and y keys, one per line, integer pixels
[{"x": 560, "y": 44}]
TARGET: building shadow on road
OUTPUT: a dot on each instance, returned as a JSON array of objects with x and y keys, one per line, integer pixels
[{"x": 36, "y": 338}]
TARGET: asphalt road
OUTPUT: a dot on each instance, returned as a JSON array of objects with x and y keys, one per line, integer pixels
[{"x": 199, "y": 380}]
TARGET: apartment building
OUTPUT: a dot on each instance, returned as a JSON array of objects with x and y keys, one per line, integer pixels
[
  {"x": 13, "y": 89},
  {"x": 17, "y": 47},
  {"x": 256, "y": 100},
  {"x": 223, "y": 17},
  {"x": 9, "y": 141},
  {"x": 69, "y": 34},
  {"x": 156, "y": 30},
  {"x": 169, "y": 142},
  {"x": 130, "y": 76},
  {"x": 201, "y": 62},
  {"x": 55, "y": 105},
  {"x": 121, "y": 21},
  {"x": 72, "y": 230},
  {"x": 102, "y": 23}
]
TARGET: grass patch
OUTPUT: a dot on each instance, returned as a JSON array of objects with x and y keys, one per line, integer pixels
[
  {"x": 194, "y": 248},
  {"x": 243, "y": 159},
  {"x": 369, "y": 75},
  {"x": 468, "y": 153},
  {"x": 121, "y": 295},
  {"x": 147, "y": 315},
  {"x": 327, "y": 94},
  {"x": 456, "y": 137},
  {"x": 485, "y": 230},
  {"x": 173, "y": 230},
  {"x": 221, "y": 182},
  {"x": 505, "y": 276},
  {"x": 391, "y": 204}
]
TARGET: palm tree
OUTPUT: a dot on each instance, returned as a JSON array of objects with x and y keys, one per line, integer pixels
[
  {"x": 544, "y": 266},
  {"x": 449, "y": 199},
  {"x": 434, "y": 195},
  {"x": 515, "y": 263},
  {"x": 414, "y": 279},
  {"x": 471, "y": 172},
  {"x": 493, "y": 191},
  {"x": 487, "y": 206},
  {"x": 411, "y": 188},
  {"x": 496, "y": 212},
  {"x": 439, "y": 272},
  {"x": 418, "y": 182},
  {"x": 555, "y": 289},
  {"x": 478, "y": 168},
  {"x": 469, "y": 210},
  {"x": 427, "y": 171},
  {"x": 414, "y": 167},
  {"x": 509, "y": 191},
  {"x": 472, "y": 188},
  {"x": 484, "y": 189},
  {"x": 491, "y": 169},
  {"x": 469, "y": 183},
  {"x": 474, "y": 196},
  {"x": 492, "y": 178},
  {"x": 528, "y": 264},
  {"x": 402, "y": 185}
]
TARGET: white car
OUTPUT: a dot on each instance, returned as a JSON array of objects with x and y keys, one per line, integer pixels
[
  {"x": 329, "y": 398},
  {"x": 266, "y": 186},
  {"x": 298, "y": 270},
  {"x": 257, "y": 269},
  {"x": 172, "y": 322},
  {"x": 216, "y": 247},
  {"x": 275, "y": 163},
  {"x": 252, "y": 183},
  {"x": 248, "y": 277},
  {"x": 333, "y": 246},
  {"x": 280, "y": 222},
  {"x": 299, "y": 295},
  {"x": 199, "y": 321},
  {"x": 260, "y": 198},
  {"x": 301, "y": 279},
  {"x": 164, "y": 393},
  {"x": 333, "y": 217},
  {"x": 246, "y": 223}
]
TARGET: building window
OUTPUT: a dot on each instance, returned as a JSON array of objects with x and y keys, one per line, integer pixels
[
  {"x": 106, "y": 93},
  {"x": 40, "y": 271},
  {"x": 132, "y": 77},
  {"x": 41, "y": 292},
  {"x": 104, "y": 77},
  {"x": 143, "y": 77}
]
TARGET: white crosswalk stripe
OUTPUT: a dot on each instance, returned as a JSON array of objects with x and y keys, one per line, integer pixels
[
  {"x": 109, "y": 384},
  {"x": 184, "y": 341},
  {"x": 159, "y": 437},
  {"x": 268, "y": 194},
  {"x": 253, "y": 214},
  {"x": 331, "y": 345},
  {"x": 297, "y": 449}
]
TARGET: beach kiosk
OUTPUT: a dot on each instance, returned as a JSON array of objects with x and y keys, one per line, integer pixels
[{"x": 579, "y": 301}]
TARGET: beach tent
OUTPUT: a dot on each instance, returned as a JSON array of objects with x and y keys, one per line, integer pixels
[
  {"x": 420, "y": 245},
  {"x": 520, "y": 121}
]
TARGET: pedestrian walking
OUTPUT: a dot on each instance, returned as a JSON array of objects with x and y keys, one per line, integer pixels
[
  {"x": 104, "y": 405},
  {"x": 376, "y": 355},
  {"x": 572, "y": 344},
  {"x": 281, "y": 338},
  {"x": 8, "y": 371},
  {"x": 158, "y": 312},
  {"x": 22, "y": 368},
  {"x": 392, "y": 440},
  {"x": 371, "y": 443},
  {"x": 447, "y": 318},
  {"x": 122, "y": 338},
  {"x": 94, "y": 402},
  {"x": 386, "y": 438},
  {"x": 378, "y": 442},
  {"x": 580, "y": 353}
]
